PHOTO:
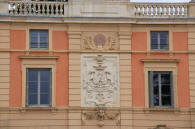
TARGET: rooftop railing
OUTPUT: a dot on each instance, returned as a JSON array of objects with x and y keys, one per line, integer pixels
[
  {"x": 160, "y": 10},
  {"x": 62, "y": 8},
  {"x": 36, "y": 8}
]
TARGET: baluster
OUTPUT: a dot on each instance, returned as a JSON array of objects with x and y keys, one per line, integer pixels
[
  {"x": 150, "y": 10},
  {"x": 157, "y": 10},
  {"x": 20, "y": 8},
  {"x": 165, "y": 10},
  {"x": 180, "y": 10},
  {"x": 17, "y": 9},
  {"x": 61, "y": 9},
  {"x": 57, "y": 9},
  {"x": 153, "y": 10},
  {"x": 160, "y": 11},
  {"x": 145, "y": 11},
  {"x": 142, "y": 10},
  {"x": 29, "y": 9},
  {"x": 48, "y": 10},
  {"x": 52, "y": 9},
  {"x": 169, "y": 10},
  {"x": 11, "y": 8},
  {"x": 176, "y": 11},
  {"x": 171, "y": 7},
  {"x": 43, "y": 9},
  {"x": 33, "y": 8},
  {"x": 25, "y": 8},
  {"x": 185, "y": 10},
  {"x": 38, "y": 9}
]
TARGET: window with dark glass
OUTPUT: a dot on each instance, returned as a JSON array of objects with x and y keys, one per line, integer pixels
[
  {"x": 38, "y": 87},
  {"x": 39, "y": 39},
  {"x": 160, "y": 89},
  {"x": 159, "y": 40}
]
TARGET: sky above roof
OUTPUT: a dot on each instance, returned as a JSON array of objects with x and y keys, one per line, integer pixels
[{"x": 161, "y": 1}]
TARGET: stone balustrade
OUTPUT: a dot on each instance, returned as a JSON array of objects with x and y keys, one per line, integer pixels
[
  {"x": 74, "y": 9},
  {"x": 33, "y": 8},
  {"x": 160, "y": 10}
]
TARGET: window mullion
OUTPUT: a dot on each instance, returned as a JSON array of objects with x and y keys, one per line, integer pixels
[
  {"x": 171, "y": 87},
  {"x": 151, "y": 89},
  {"x": 39, "y": 81},
  {"x": 158, "y": 40},
  {"x": 160, "y": 97},
  {"x": 39, "y": 40},
  {"x": 27, "y": 94}
]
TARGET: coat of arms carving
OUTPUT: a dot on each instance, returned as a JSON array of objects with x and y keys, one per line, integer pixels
[{"x": 100, "y": 80}]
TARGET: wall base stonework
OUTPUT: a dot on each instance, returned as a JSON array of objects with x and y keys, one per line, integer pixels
[{"x": 113, "y": 118}]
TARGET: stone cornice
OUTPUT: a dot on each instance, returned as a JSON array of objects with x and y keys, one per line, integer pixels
[
  {"x": 160, "y": 60},
  {"x": 38, "y": 57}
]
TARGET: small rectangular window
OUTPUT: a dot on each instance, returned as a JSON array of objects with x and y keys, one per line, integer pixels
[
  {"x": 39, "y": 39},
  {"x": 160, "y": 89},
  {"x": 38, "y": 87},
  {"x": 159, "y": 40}
]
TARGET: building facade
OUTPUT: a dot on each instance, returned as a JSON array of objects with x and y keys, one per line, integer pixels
[{"x": 101, "y": 64}]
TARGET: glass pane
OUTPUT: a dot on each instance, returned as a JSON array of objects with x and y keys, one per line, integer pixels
[
  {"x": 163, "y": 42},
  {"x": 32, "y": 87},
  {"x": 155, "y": 78},
  {"x": 45, "y": 88},
  {"x": 165, "y": 78},
  {"x": 44, "y": 34},
  {"x": 43, "y": 40},
  {"x": 154, "y": 35},
  {"x": 156, "y": 100},
  {"x": 156, "y": 89},
  {"x": 166, "y": 100},
  {"x": 32, "y": 75},
  {"x": 165, "y": 90},
  {"x": 45, "y": 75},
  {"x": 34, "y": 40},
  {"x": 44, "y": 45},
  {"x": 33, "y": 34},
  {"x": 163, "y": 35},
  {"x": 32, "y": 99},
  {"x": 44, "y": 99}
]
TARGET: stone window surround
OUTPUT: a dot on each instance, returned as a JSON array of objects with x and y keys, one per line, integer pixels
[
  {"x": 163, "y": 65},
  {"x": 43, "y": 62}
]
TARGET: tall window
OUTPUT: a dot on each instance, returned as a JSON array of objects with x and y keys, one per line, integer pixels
[
  {"x": 38, "y": 39},
  {"x": 159, "y": 40},
  {"x": 38, "y": 87},
  {"x": 161, "y": 89}
]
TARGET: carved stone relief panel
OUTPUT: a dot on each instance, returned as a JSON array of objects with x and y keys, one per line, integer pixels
[
  {"x": 100, "y": 85},
  {"x": 99, "y": 41}
]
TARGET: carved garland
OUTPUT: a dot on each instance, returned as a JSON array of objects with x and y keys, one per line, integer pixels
[{"x": 99, "y": 41}]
